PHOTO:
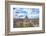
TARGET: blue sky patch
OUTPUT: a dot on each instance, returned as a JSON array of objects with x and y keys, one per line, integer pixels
[{"x": 29, "y": 12}]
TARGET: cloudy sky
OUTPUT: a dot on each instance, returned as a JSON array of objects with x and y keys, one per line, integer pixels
[{"x": 29, "y": 12}]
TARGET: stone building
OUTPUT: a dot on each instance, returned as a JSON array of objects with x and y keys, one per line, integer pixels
[{"x": 26, "y": 22}]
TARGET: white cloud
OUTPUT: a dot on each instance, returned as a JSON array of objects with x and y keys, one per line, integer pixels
[{"x": 29, "y": 13}]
